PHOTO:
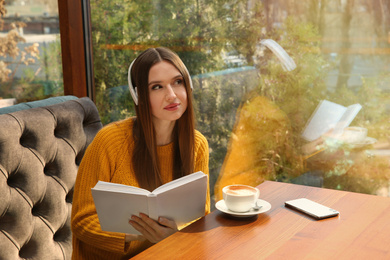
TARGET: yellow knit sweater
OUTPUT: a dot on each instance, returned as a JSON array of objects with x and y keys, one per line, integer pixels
[{"x": 108, "y": 158}]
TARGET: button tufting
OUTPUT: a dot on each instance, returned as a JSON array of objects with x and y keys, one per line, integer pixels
[{"x": 40, "y": 150}]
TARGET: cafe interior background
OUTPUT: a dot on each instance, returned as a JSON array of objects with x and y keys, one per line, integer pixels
[{"x": 249, "y": 107}]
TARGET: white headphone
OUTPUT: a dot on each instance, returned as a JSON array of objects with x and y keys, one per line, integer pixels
[
  {"x": 288, "y": 63},
  {"x": 133, "y": 90}
]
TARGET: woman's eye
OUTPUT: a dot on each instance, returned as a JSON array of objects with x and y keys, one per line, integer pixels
[
  {"x": 179, "y": 82},
  {"x": 156, "y": 87}
]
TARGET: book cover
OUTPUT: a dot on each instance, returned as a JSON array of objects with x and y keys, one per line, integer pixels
[{"x": 182, "y": 200}]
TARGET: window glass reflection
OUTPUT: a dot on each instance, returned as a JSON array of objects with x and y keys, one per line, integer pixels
[
  {"x": 30, "y": 52},
  {"x": 252, "y": 106}
]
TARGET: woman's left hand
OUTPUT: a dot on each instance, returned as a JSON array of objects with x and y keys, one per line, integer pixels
[{"x": 152, "y": 230}]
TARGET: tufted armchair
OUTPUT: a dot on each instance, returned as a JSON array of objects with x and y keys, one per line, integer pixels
[{"x": 40, "y": 150}]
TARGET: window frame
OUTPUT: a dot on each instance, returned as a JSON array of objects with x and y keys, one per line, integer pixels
[{"x": 75, "y": 33}]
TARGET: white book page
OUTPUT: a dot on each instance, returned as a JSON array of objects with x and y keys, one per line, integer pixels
[
  {"x": 178, "y": 182},
  {"x": 323, "y": 119},
  {"x": 115, "y": 187},
  {"x": 347, "y": 118},
  {"x": 184, "y": 203}
]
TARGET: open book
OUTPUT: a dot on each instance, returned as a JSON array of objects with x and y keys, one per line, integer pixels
[
  {"x": 182, "y": 200},
  {"x": 327, "y": 116}
]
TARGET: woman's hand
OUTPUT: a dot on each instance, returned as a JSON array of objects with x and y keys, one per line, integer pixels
[
  {"x": 316, "y": 145},
  {"x": 152, "y": 230},
  {"x": 312, "y": 147}
]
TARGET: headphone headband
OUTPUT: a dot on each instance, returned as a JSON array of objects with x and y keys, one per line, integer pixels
[
  {"x": 288, "y": 63},
  {"x": 133, "y": 90}
]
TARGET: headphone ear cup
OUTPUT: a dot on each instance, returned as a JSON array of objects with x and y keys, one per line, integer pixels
[
  {"x": 133, "y": 90},
  {"x": 189, "y": 76}
]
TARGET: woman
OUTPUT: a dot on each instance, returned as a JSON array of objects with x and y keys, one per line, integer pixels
[{"x": 158, "y": 145}]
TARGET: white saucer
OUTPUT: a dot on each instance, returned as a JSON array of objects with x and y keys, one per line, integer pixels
[
  {"x": 339, "y": 141},
  {"x": 221, "y": 206},
  {"x": 367, "y": 141}
]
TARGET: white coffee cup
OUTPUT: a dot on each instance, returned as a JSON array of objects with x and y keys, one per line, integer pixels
[
  {"x": 239, "y": 197},
  {"x": 354, "y": 134}
]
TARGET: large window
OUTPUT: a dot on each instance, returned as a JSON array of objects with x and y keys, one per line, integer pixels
[
  {"x": 30, "y": 51},
  {"x": 249, "y": 106}
]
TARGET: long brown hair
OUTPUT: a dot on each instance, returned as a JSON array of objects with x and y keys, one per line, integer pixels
[{"x": 145, "y": 159}]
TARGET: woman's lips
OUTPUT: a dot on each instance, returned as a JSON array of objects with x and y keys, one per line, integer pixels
[{"x": 172, "y": 107}]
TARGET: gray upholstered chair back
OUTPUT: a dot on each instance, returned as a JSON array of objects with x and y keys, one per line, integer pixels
[{"x": 40, "y": 150}]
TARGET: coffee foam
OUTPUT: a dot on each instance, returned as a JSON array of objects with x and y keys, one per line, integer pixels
[{"x": 240, "y": 191}]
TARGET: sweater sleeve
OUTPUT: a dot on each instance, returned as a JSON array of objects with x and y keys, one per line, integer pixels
[
  {"x": 202, "y": 162},
  {"x": 98, "y": 163}
]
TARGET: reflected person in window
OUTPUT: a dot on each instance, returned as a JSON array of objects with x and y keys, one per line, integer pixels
[
  {"x": 262, "y": 145},
  {"x": 158, "y": 145}
]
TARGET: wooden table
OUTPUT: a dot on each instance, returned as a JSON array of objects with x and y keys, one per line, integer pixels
[{"x": 361, "y": 231}]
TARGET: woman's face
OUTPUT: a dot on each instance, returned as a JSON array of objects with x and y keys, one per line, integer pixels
[{"x": 167, "y": 92}]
